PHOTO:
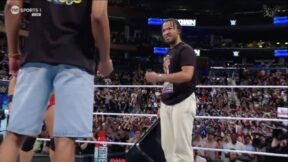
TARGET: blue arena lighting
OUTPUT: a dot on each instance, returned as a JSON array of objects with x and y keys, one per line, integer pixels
[
  {"x": 155, "y": 21},
  {"x": 281, "y": 53},
  {"x": 160, "y": 50},
  {"x": 183, "y": 22},
  {"x": 280, "y": 20}
]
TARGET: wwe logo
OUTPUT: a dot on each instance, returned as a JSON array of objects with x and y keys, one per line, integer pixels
[
  {"x": 197, "y": 52},
  {"x": 233, "y": 22},
  {"x": 235, "y": 53}
]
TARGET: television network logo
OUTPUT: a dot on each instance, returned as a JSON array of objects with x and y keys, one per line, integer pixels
[{"x": 35, "y": 12}]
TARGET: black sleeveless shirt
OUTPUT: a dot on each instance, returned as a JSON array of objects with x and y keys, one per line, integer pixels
[{"x": 61, "y": 34}]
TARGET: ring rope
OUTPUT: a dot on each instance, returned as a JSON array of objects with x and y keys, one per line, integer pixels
[
  {"x": 241, "y": 151},
  {"x": 94, "y": 142},
  {"x": 124, "y": 114},
  {"x": 198, "y": 86},
  {"x": 197, "y": 117},
  {"x": 195, "y": 148}
]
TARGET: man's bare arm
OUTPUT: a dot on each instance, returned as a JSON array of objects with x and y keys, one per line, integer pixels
[
  {"x": 12, "y": 25},
  {"x": 100, "y": 27}
]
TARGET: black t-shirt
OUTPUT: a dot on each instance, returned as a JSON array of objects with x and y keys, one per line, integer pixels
[
  {"x": 61, "y": 35},
  {"x": 181, "y": 55}
]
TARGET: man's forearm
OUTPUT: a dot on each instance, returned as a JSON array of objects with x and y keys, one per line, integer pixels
[
  {"x": 12, "y": 25},
  {"x": 101, "y": 33}
]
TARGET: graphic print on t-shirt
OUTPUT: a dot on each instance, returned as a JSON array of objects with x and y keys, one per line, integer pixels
[
  {"x": 167, "y": 87},
  {"x": 67, "y": 2}
]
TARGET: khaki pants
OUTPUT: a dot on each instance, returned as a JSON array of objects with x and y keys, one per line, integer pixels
[{"x": 176, "y": 130}]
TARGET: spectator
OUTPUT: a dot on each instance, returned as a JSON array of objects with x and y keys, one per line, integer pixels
[
  {"x": 232, "y": 157},
  {"x": 198, "y": 142},
  {"x": 198, "y": 158},
  {"x": 248, "y": 147},
  {"x": 234, "y": 144},
  {"x": 210, "y": 142}
]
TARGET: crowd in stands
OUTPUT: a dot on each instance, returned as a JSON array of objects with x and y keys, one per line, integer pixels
[
  {"x": 233, "y": 134},
  {"x": 247, "y": 76},
  {"x": 249, "y": 103},
  {"x": 253, "y": 103},
  {"x": 3, "y": 67},
  {"x": 228, "y": 43}
]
